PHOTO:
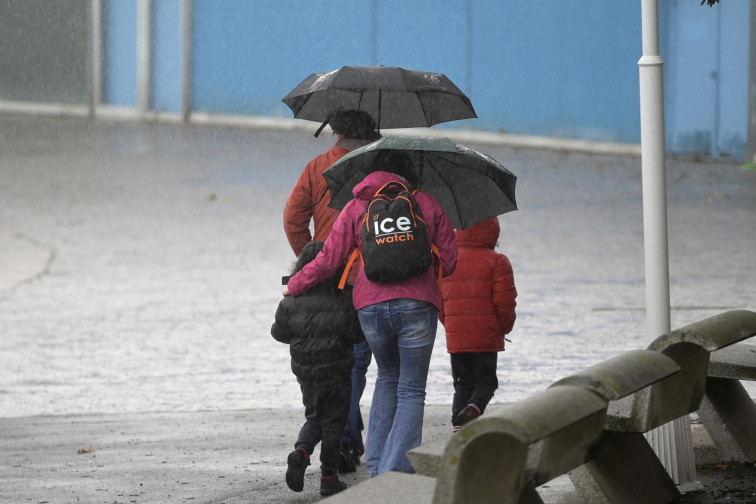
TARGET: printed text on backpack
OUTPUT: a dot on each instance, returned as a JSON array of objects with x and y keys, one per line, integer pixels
[{"x": 395, "y": 244}]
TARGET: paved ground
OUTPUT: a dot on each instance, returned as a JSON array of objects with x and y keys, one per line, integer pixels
[
  {"x": 140, "y": 266},
  {"x": 211, "y": 457}
]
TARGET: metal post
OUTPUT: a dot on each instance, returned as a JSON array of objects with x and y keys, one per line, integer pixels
[
  {"x": 673, "y": 441},
  {"x": 186, "y": 59},
  {"x": 716, "y": 75},
  {"x": 751, "y": 148},
  {"x": 144, "y": 21},
  {"x": 95, "y": 56}
]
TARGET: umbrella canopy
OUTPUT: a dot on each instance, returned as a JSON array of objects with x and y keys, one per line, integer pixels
[
  {"x": 395, "y": 97},
  {"x": 470, "y": 186}
]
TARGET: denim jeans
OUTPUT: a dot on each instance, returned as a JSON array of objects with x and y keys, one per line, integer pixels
[
  {"x": 401, "y": 333},
  {"x": 354, "y": 426},
  {"x": 326, "y": 410}
]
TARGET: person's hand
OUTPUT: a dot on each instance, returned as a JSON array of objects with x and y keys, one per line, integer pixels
[{"x": 285, "y": 291}]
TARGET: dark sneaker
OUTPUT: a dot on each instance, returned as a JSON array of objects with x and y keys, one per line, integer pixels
[
  {"x": 298, "y": 463},
  {"x": 468, "y": 413},
  {"x": 345, "y": 462},
  {"x": 358, "y": 447},
  {"x": 355, "y": 456},
  {"x": 331, "y": 485}
]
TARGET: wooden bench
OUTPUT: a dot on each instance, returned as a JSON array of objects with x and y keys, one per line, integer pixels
[
  {"x": 507, "y": 453},
  {"x": 625, "y": 468}
]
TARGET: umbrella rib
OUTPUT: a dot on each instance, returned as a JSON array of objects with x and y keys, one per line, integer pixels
[
  {"x": 380, "y": 97},
  {"x": 422, "y": 107},
  {"x": 454, "y": 196}
]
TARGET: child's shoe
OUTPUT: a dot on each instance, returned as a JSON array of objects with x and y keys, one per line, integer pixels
[
  {"x": 356, "y": 450},
  {"x": 355, "y": 456},
  {"x": 330, "y": 485},
  {"x": 468, "y": 413},
  {"x": 298, "y": 461},
  {"x": 345, "y": 462}
]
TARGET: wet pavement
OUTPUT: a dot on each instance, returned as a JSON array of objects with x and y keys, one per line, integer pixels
[
  {"x": 140, "y": 269},
  {"x": 214, "y": 457}
]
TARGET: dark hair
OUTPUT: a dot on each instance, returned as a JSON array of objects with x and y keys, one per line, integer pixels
[
  {"x": 355, "y": 124},
  {"x": 398, "y": 163}
]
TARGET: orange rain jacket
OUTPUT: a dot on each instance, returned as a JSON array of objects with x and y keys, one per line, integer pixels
[{"x": 310, "y": 197}]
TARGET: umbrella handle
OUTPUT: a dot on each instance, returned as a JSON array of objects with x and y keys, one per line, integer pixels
[{"x": 321, "y": 128}]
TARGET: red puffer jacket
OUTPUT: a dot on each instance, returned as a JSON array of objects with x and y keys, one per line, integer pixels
[{"x": 479, "y": 298}]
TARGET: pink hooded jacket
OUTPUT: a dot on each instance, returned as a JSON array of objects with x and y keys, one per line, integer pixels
[{"x": 345, "y": 237}]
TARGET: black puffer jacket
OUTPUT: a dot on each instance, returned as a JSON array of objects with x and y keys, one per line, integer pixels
[{"x": 321, "y": 327}]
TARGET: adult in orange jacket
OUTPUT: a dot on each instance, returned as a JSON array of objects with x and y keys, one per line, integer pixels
[
  {"x": 478, "y": 311},
  {"x": 308, "y": 201},
  {"x": 310, "y": 197}
]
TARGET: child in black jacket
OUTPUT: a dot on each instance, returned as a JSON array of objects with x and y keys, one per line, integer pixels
[{"x": 320, "y": 327}]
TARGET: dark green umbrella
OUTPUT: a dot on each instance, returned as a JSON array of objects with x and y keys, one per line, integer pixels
[{"x": 470, "y": 186}]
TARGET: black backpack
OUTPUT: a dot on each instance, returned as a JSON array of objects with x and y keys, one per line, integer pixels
[{"x": 395, "y": 243}]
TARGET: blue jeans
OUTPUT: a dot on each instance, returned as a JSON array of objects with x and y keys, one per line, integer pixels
[
  {"x": 354, "y": 425},
  {"x": 401, "y": 333}
]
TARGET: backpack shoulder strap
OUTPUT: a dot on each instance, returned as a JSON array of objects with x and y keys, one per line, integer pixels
[
  {"x": 393, "y": 182},
  {"x": 435, "y": 250},
  {"x": 348, "y": 268}
]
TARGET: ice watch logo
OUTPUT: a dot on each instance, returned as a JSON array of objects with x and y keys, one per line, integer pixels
[{"x": 389, "y": 230}]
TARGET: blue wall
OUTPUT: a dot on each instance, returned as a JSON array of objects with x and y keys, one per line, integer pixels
[
  {"x": 536, "y": 67},
  {"x": 166, "y": 55},
  {"x": 564, "y": 68},
  {"x": 119, "y": 39},
  {"x": 426, "y": 35},
  {"x": 248, "y": 55},
  {"x": 706, "y": 77},
  {"x": 540, "y": 68}
]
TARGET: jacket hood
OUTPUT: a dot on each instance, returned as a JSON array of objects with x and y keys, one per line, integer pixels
[
  {"x": 373, "y": 181},
  {"x": 310, "y": 251},
  {"x": 482, "y": 234},
  {"x": 308, "y": 254}
]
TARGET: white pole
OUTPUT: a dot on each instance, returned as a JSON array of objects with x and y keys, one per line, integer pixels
[
  {"x": 144, "y": 29},
  {"x": 186, "y": 58},
  {"x": 751, "y": 144},
  {"x": 95, "y": 69},
  {"x": 672, "y": 442}
]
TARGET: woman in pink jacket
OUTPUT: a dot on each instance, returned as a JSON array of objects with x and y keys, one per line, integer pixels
[{"x": 399, "y": 320}]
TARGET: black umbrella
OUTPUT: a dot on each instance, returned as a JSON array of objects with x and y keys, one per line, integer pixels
[
  {"x": 470, "y": 186},
  {"x": 394, "y": 97}
]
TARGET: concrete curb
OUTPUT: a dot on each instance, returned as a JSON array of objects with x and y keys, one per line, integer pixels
[{"x": 300, "y": 125}]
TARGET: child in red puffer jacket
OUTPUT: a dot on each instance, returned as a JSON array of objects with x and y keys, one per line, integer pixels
[{"x": 478, "y": 311}]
